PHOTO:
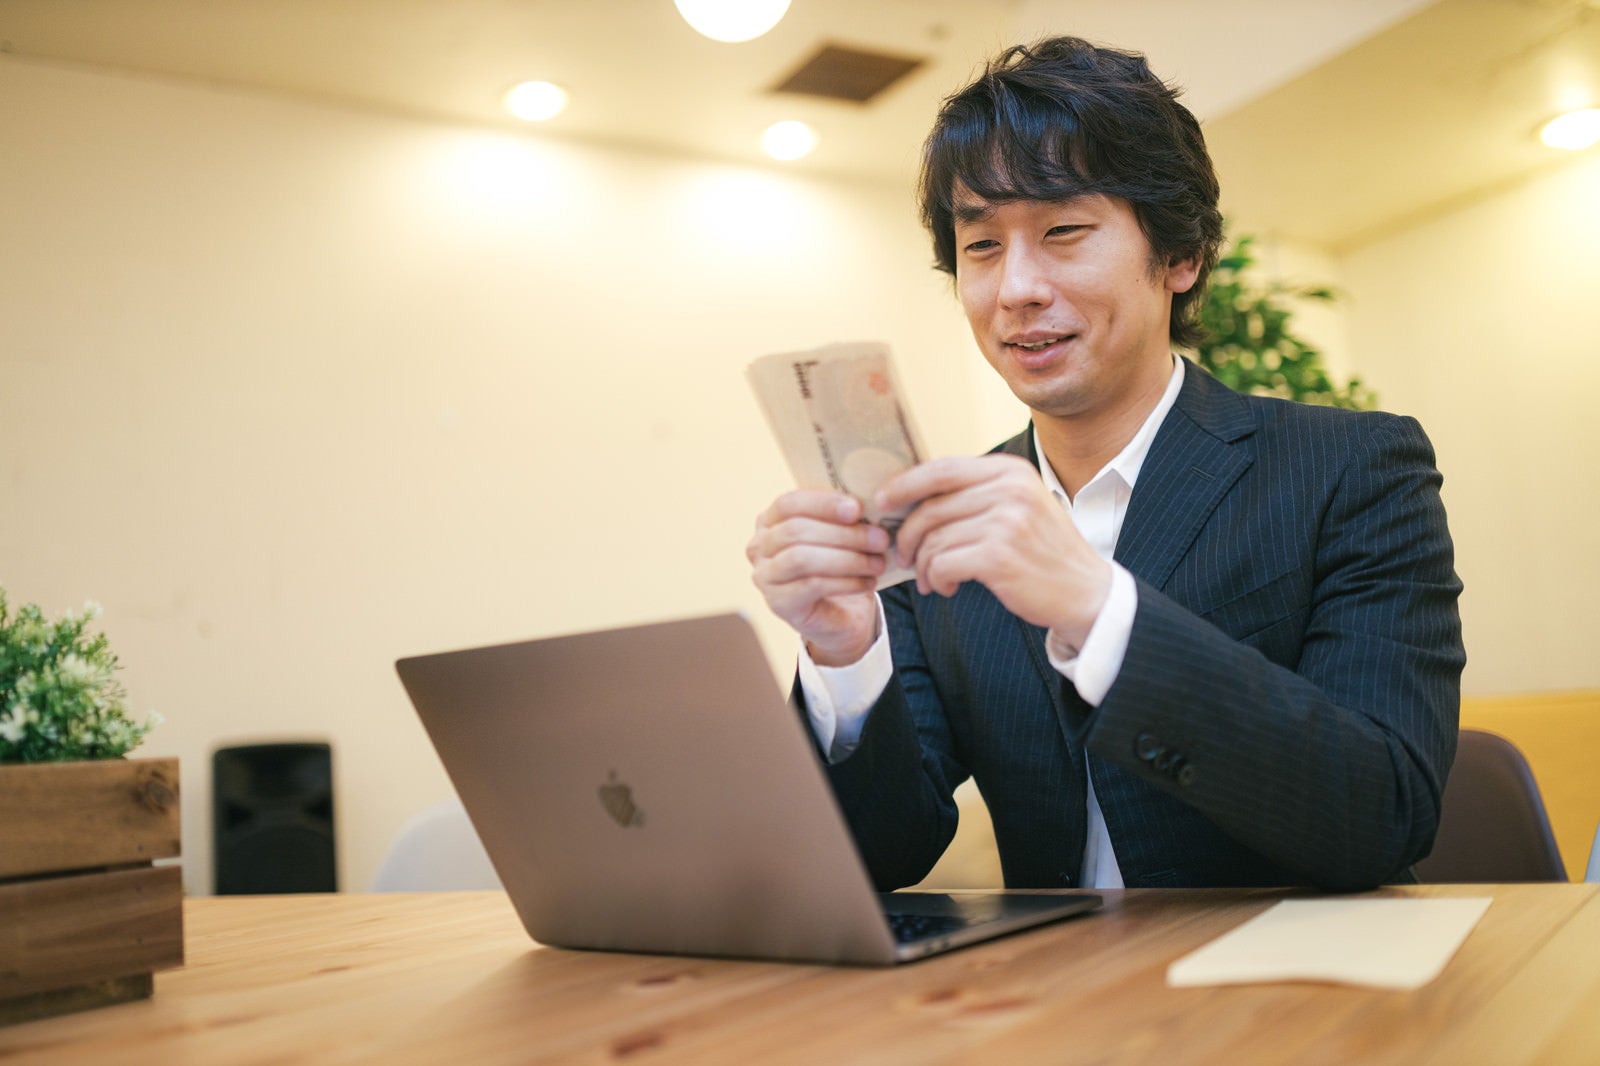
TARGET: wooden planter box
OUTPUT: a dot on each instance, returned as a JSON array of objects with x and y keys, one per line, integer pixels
[{"x": 85, "y": 918}]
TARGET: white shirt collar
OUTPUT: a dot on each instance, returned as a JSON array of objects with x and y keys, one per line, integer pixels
[{"x": 1128, "y": 462}]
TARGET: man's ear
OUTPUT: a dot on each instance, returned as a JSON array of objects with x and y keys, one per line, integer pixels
[{"x": 1182, "y": 274}]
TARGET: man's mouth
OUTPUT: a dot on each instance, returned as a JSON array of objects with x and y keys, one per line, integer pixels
[{"x": 1037, "y": 343}]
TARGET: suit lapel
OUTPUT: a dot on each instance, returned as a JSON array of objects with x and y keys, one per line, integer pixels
[
  {"x": 1192, "y": 464},
  {"x": 1034, "y": 636}
]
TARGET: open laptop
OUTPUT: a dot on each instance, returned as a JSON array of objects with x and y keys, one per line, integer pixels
[{"x": 649, "y": 789}]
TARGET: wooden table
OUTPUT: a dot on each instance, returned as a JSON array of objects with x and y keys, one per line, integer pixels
[{"x": 450, "y": 978}]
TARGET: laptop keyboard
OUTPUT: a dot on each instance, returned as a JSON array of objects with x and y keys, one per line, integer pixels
[{"x": 908, "y": 928}]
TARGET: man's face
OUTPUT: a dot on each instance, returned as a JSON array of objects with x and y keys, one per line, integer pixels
[{"x": 1065, "y": 302}]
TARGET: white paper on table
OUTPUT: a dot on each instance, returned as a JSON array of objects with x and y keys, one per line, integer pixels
[{"x": 1379, "y": 943}]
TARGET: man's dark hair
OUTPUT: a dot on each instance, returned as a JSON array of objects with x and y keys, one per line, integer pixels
[{"x": 1063, "y": 118}]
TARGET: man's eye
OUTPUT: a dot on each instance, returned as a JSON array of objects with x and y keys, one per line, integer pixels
[
  {"x": 1063, "y": 231},
  {"x": 981, "y": 246}
]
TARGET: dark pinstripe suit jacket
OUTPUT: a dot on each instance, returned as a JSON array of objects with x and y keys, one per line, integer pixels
[{"x": 1286, "y": 711}]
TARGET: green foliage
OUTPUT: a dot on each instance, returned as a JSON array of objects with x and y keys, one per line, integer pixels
[
  {"x": 59, "y": 698},
  {"x": 1248, "y": 343}
]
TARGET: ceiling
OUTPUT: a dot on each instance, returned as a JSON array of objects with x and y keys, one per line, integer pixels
[
  {"x": 1441, "y": 108},
  {"x": 1329, "y": 120}
]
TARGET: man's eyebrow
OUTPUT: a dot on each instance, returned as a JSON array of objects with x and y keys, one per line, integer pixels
[{"x": 968, "y": 212}]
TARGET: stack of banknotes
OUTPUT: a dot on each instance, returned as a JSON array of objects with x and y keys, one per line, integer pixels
[{"x": 841, "y": 420}]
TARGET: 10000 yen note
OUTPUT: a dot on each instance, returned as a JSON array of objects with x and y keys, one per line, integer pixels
[{"x": 840, "y": 419}]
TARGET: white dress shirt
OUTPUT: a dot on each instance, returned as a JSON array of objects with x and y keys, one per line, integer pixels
[{"x": 839, "y": 698}]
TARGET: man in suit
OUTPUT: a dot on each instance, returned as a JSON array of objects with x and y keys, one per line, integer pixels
[{"x": 1178, "y": 636}]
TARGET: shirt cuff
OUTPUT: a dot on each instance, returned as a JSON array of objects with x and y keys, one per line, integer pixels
[
  {"x": 838, "y": 698},
  {"x": 1093, "y": 669}
]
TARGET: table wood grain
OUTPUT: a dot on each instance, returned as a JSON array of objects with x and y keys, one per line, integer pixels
[{"x": 451, "y": 978}]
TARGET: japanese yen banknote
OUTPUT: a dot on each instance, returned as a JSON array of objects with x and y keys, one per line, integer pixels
[{"x": 840, "y": 417}]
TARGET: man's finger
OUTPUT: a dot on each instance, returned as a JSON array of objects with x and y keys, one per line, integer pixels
[
  {"x": 792, "y": 532},
  {"x": 945, "y": 571},
  {"x": 835, "y": 507},
  {"x": 800, "y": 597},
  {"x": 934, "y": 513},
  {"x": 804, "y": 561},
  {"x": 941, "y": 546},
  {"x": 909, "y": 488},
  {"x": 939, "y": 477}
]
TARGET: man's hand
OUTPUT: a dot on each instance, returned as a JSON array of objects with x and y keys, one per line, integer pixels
[
  {"x": 817, "y": 565},
  {"x": 990, "y": 519}
]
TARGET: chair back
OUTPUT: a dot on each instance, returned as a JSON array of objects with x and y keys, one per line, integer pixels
[
  {"x": 1492, "y": 826},
  {"x": 438, "y": 850}
]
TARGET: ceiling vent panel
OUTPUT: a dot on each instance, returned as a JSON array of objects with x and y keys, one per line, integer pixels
[{"x": 835, "y": 72}]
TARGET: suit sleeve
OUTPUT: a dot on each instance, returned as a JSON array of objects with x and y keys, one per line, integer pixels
[{"x": 1331, "y": 765}]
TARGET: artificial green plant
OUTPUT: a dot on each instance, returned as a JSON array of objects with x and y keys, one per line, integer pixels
[
  {"x": 59, "y": 696},
  {"x": 1249, "y": 344}
]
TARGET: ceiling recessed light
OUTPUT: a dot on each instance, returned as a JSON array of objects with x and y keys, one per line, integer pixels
[
  {"x": 536, "y": 101},
  {"x": 732, "y": 20},
  {"x": 789, "y": 140},
  {"x": 1574, "y": 131}
]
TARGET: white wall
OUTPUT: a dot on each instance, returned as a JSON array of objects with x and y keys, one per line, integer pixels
[
  {"x": 294, "y": 391},
  {"x": 1485, "y": 324}
]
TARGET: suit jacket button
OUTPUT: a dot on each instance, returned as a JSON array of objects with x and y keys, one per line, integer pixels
[
  {"x": 1147, "y": 746},
  {"x": 1186, "y": 774}
]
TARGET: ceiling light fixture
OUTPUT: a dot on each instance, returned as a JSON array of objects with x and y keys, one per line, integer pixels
[
  {"x": 789, "y": 140},
  {"x": 536, "y": 101},
  {"x": 732, "y": 20},
  {"x": 1574, "y": 131}
]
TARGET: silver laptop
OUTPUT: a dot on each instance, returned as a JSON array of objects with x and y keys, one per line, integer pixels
[{"x": 649, "y": 789}]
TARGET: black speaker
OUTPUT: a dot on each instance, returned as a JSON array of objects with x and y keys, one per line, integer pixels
[{"x": 272, "y": 819}]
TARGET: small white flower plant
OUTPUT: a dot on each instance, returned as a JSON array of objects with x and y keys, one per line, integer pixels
[{"x": 59, "y": 696}]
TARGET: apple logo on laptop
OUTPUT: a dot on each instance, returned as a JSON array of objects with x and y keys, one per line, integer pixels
[{"x": 617, "y": 799}]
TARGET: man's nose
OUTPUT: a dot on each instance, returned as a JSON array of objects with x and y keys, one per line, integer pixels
[{"x": 1024, "y": 281}]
